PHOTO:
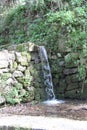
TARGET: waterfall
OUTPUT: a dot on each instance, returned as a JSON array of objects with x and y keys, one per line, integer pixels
[
  {"x": 46, "y": 73},
  {"x": 47, "y": 77}
]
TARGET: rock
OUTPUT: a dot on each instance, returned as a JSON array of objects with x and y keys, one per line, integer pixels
[
  {"x": 72, "y": 86},
  {"x": 20, "y": 79},
  {"x": 17, "y": 74},
  {"x": 21, "y": 68},
  {"x": 33, "y": 47},
  {"x": 6, "y": 76},
  {"x": 59, "y": 55},
  {"x": 61, "y": 63},
  {"x": 71, "y": 56},
  {"x": 27, "y": 73},
  {"x": 3, "y": 64},
  {"x": 10, "y": 81},
  {"x": 19, "y": 86},
  {"x": 73, "y": 78},
  {"x": 6, "y": 58},
  {"x": 62, "y": 86},
  {"x": 70, "y": 71},
  {"x": 15, "y": 65},
  {"x": 7, "y": 89},
  {"x": 73, "y": 94},
  {"x": 2, "y": 100},
  {"x": 6, "y": 70},
  {"x": 21, "y": 59}
]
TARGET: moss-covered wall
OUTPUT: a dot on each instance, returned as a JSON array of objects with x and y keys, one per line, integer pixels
[
  {"x": 66, "y": 77},
  {"x": 20, "y": 74}
]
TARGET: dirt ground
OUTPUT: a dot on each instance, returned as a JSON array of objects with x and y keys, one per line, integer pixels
[{"x": 70, "y": 109}]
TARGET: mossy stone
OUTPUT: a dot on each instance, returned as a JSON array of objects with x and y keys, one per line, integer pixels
[
  {"x": 18, "y": 85},
  {"x": 20, "y": 79},
  {"x": 29, "y": 96},
  {"x": 15, "y": 65},
  {"x": 6, "y": 76},
  {"x": 83, "y": 93},
  {"x": 27, "y": 54},
  {"x": 73, "y": 94},
  {"x": 20, "y": 47}
]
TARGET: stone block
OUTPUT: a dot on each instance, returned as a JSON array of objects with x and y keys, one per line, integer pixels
[
  {"x": 70, "y": 71},
  {"x": 27, "y": 55},
  {"x": 33, "y": 47},
  {"x": 6, "y": 76},
  {"x": 21, "y": 68},
  {"x": 3, "y": 64},
  {"x": 2, "y": 100},
  {"x": 72, "y": 86},
  {"x": 83, "y": 93},
  {"x": 62, "y": 86},
  {"x": 17, "y": 74},
  {"x": 73, "y": 78},
  {"x": 73, "y": 94},
  {"x": 15, "y": 65},
  {"x": 19, "y": 86}
]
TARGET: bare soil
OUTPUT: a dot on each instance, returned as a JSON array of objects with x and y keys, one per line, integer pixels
[{"x": 70, "y": 109}]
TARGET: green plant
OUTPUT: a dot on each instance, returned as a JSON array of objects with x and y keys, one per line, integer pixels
[{"x": 14, "y": 96}]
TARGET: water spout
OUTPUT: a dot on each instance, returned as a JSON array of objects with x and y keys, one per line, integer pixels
[{"x": 47, "y": 78}]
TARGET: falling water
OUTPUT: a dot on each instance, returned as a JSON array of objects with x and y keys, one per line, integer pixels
[{"x": 47, "y": 77}]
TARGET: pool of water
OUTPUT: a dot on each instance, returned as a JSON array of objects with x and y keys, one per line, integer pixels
[{"x": 53, "y": 102}]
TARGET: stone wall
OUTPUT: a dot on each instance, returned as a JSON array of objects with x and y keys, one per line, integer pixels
[
  {"x": 20, "y": 74},
  {"x": 66, "y": 79}
]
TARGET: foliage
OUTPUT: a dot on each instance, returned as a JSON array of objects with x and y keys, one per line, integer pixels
[
  {"x": 14, "y": 96},
  {"x": 48, "y": 22}
]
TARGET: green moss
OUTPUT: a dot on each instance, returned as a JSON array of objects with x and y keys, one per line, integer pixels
[
  {"x": 20, "y": 48},
  {"x": 83, "y": 94},
  {"x": 6, "y": 76},
  {"x": 27, "y": 54},
  {"x": 20, "y": 79},
  {"x": 18, "y": 86},
  {"x": 29, "y": 96},
  {"x": 73, "y": 94},
  {"x": 15, "y": 65}
]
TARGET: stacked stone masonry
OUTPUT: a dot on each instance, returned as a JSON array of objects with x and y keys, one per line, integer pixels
[
  {"x": 66, "y": 79},
  {"x": 21, "y": 78},
  {"x": 20, "y": 74}
]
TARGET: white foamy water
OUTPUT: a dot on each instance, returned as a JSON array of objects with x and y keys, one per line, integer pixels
[{"x": 53, "y": 102}]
